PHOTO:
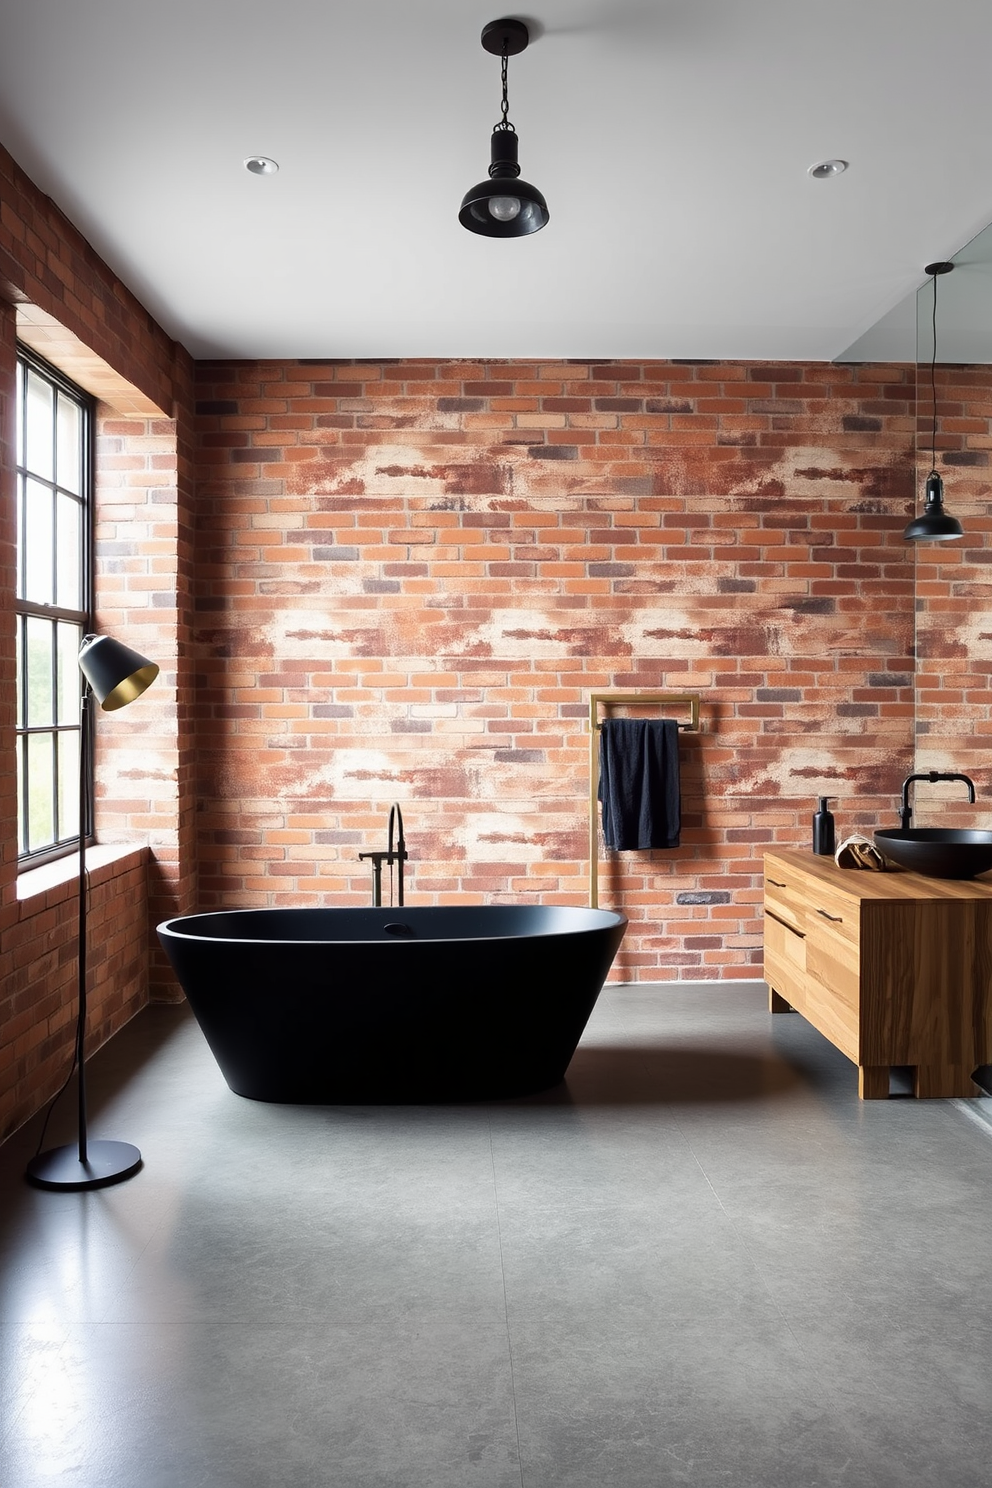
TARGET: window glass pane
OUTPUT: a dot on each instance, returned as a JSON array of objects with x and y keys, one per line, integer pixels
[
  {"x": 68, "y": 568},
  {"x": 68, "y": 785},
  {"x": 40, "y": 422},
  {"x": 20, "y": 418},
  {"x": 41, "y": 692},
  {"x": 68, "y": 464},
  {"x": 20, "y": 537},
  {"x": 68, "y": 641},
  {"x": 20, "y": 671},
  {"x": 41, "y": 791},
  {"x": 38, "y": 537},
  {"x": 22, "y": 822},
  {"x": 53, "y": 519}
]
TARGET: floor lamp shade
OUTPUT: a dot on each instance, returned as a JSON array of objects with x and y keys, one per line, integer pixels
[{"x": 114, "y": 675}]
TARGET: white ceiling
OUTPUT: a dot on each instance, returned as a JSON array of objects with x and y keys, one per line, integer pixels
[{"x": 671, "y": 139}]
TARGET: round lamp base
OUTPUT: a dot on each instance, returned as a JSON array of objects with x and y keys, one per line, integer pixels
[{"x": 106, "y": 1163}]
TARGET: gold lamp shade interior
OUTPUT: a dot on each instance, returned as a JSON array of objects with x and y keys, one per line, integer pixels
[{"x": 116, "y": 674}]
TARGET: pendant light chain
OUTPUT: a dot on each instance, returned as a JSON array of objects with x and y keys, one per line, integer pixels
[
  {"x": 933, "y": 383},
  {"x": 504, "y": 123}
]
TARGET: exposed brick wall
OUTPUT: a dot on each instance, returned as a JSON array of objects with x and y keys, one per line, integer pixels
[
  {"x": 412, "y": 574},
  {"x": 145, "y": 774},
  {"x": 44, "y": 260},
  {"x": 40, "y": 979},
  {"x": 53, "y": 276},
  {"x": 954, "y": 603}
]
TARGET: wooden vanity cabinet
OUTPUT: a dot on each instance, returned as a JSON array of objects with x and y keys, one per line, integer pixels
[{"x": 892, "y": 968}]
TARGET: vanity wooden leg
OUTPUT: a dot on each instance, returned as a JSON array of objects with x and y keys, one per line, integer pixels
[
  {"x": 777, "y": 1003},
  {"x": 873, "y": 1081},
  {"x": 934, "y": 1081}
]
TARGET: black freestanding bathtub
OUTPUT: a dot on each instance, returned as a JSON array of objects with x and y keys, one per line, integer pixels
[{"x": 337, "y": 1006}]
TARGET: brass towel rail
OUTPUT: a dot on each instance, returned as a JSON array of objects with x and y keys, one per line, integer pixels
[{"x": 599, "y": 700}]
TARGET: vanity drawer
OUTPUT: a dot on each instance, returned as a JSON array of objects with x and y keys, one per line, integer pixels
[
  {"x": 785, "y": 961},
  {"x": 833, "y": 984},
  {"x": 784, "y": 896},
  {"x": 835, "y": 913}
]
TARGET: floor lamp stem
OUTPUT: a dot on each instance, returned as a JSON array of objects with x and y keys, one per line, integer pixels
[
  {"x": 85, "y": 814},
  {"x": 86, "y": 1164}
]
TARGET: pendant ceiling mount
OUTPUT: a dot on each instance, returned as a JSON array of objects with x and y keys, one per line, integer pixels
[
  {"x": 509, "y": 36},
  {"x": 504, "y": 206}
]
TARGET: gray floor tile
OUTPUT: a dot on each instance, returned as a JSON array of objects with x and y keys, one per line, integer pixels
[
  {"x": 29, "y": 1353},
  {"x": 917, "y": 1393},
  {"x": 676, "y": 1401},
  {"x": 237, "y": 1407},
  {"x": 347, "y": 1261}
]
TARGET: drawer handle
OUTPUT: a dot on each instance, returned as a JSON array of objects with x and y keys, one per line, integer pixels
[
  {"x": 777, "y": 884},
  {"x": 837, "y": 919}
]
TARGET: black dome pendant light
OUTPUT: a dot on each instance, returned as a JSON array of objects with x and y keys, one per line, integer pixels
[
  {"x": 934, "y": 524},
  {"x": 504, "y": 206}
]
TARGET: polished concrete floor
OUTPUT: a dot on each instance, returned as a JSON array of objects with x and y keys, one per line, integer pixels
[{"x": 701, "y": 1262}]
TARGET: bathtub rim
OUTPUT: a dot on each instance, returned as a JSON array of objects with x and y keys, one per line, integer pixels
[{"x": 605, "y": 919}]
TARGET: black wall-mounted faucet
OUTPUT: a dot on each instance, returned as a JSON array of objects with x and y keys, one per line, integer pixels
[{"x": 906, "y": 812}]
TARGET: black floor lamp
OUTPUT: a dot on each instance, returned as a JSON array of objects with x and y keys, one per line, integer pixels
[{"x": 114, "y": 675}]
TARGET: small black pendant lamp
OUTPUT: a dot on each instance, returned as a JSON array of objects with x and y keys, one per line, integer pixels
[
  {"x": 114, "y": 675},
  {"x": 934, "y": 524},
  {"x": 504, "y": 206}
]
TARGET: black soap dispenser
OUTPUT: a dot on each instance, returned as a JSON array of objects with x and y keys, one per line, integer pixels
[{"x": 823, "y": 829}]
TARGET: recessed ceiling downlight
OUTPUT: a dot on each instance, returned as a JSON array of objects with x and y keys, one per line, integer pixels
[
  {"x": 261, "y": 165},
  {"x": 827, "y": 169}
]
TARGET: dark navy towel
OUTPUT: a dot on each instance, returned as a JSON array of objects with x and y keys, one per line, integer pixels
[{"x": 639, "y": 782}]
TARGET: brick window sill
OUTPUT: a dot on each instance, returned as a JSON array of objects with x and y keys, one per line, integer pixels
[{"x": 53, "y": 883}]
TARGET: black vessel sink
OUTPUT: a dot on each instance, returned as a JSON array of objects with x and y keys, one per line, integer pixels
[{"x": 937, "y": 852}]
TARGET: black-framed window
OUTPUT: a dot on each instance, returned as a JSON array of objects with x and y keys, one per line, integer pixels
[{"x": 54, "y": 484}]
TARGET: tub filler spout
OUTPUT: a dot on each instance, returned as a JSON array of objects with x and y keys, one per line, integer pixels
[{"x": 393, "y": 854}]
